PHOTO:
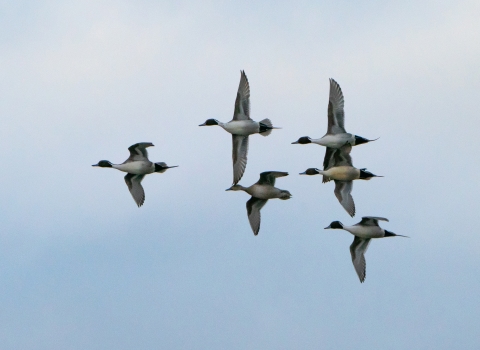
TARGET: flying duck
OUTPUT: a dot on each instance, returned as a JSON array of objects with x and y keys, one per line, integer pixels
[
  {"x": 343, "y": 173},
  {"x": 336, "y": 135},
  {"x": 241, "y": 126},
  {"x": 363, "y": 231},
  {"x": 137, "y": 166},
  {"x": 261, "y": 192}
]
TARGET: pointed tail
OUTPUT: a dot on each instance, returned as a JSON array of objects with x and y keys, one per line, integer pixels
[{"x": 266, "y": 127}]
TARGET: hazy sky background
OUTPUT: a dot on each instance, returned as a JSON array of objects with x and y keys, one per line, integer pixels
[{"x": 83, "y": 268}]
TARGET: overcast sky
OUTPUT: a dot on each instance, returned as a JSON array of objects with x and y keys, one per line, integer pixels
[{"x": 83, "y": 268}]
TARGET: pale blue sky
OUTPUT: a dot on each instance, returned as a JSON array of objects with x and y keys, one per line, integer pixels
[{"x": 83, "y": 268}]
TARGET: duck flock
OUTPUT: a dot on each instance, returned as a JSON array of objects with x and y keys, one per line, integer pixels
[{"x": 337, "y": 166}]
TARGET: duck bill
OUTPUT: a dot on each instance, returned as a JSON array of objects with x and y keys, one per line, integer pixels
[
  {"x": 294, "y": 143},
  {"x": 304, "y": 173},
  {"x": 203, "y": 124}
]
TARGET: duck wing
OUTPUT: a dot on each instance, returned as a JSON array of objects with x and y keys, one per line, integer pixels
[
  {"x": 371, "y": 220},
  {"x": 136, "y": 190},
  {"x": 357, "y": 250},
  {"x": 239, "y": 156},
  {"x": 253, "y": 211},
  {"x": 343, "y": 191},
  {"x": 268, "y": 177},
  {"x": 342, "y": 156},
  {"x": 336, "y": 115},
  {"x": 242, "y": 102},
  {"x": 328, "y": 162},
  {"x": 138, "y": 151}
]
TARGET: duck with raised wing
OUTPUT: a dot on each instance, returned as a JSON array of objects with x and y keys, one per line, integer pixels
[
  {"x": 365, "y": 230},
  {"x": 136, "y": 167},
  {"x": 343, "y": 173},
  {"x": 241, "y": 126},
  {"x": 261, "y": 192},
  {"x": 336, "y": 135}
]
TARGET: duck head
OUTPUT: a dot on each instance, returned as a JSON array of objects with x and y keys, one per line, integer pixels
[
  {"x": 335, "y": 225},
  {"x": 303, "y": 140},
  {"x": 210, "y": 122},
  {"x": 311, "y": 171},
  {"x": 103, "y": 164}
]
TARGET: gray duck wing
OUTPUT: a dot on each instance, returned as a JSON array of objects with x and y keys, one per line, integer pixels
[
  {"x": 268, "y": 177},
  {"x": 336, "y": 115},
  {"x": 343, "y": 190},
  {"x": 371, "y": 220},
  {"x": 328, "y": 162},
  {"x": 138, "y": 151},
  {"x": 136, "y": 190},
  {"x": 239, "y": 156},
  {"x": 357, "y": 250},
  {"x": 242, "y": 102},
  {"x": 254, "y": 205},
  {"x": 342, "y": 156}
]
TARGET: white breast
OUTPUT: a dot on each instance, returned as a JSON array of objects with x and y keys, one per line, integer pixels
[
  {"x": 335, "y": 140},
  {"x": 242, "y": 127},
  {"x": 138, "y": 167},
  {"x": 343, "y": 173},
  {"x": 365, "y": 231}
]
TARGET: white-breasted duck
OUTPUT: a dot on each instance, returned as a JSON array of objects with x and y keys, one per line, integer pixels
[
  {"x": 241, "y": 126},
  {"x": 137, "y": 166},
  {"x": 336, "y": 135},
  {"x": 343, "y": 173},
  {"x": 365, "y": 230},
  {"x": 263, "y": 190}
]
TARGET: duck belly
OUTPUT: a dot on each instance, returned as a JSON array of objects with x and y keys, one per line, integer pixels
[
  {"x": 343, "y": 173},
  {"x": 137, "y": 167},
  {"x": 242, "y": 127},
  {"x": 365, "y": 231},
  {"x": 264, "y": 192},
  {"x": 335, "y": 140}
]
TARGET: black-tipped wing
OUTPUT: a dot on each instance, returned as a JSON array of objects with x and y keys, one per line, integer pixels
[
  {"x": 357, "y": 250},
  {"x": 336, "y": 116},
  {"x": 242, "y": 102},
  {"x": 342, "y": 156},
  {"x": 138, "y": 151},
  {"x": 134, "y": 185},
  {"x": 253, "y": 211},
  {"x": 343, "y": 191},
  {"x": 328, "y": 162},
  {"x": 371, "y": 220},
  {"x": 268, "y": 177},
  {"x": 239, "y": 156}
]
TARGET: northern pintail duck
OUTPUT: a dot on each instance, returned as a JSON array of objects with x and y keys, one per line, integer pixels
[
  {"x": 336, "y": 135},
  {"x": 343, "y": 173},
  {"x": 363, "y": 231},
  {"x": 137, "y": 166},
  {"x": 241, "y": 126},
  {"x": 261, "y": 192}
]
